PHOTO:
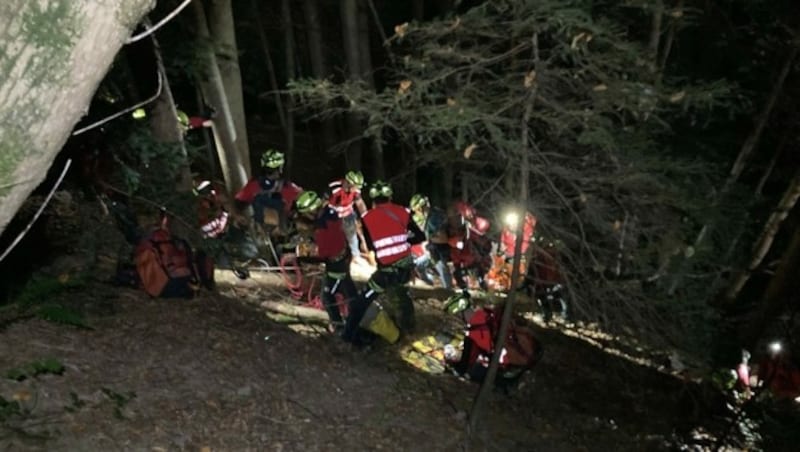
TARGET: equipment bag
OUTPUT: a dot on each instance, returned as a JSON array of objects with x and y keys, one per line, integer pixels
[
  {"x": 166, "y": 265},
  {"x": 378, "y": 321}
]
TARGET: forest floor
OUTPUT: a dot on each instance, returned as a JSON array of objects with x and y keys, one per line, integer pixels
[{"x": 215, "y": 373}]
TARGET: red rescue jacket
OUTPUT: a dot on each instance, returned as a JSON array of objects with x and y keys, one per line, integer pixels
[{"x": 387, "y": 226}]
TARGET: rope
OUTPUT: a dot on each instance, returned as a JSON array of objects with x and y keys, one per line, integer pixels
[
  {"x": 120, "y": 113},
  {"x": 161, "y": 23},
  {"x": 295, "y": 288},
  {"x": 38, "y": 212}
]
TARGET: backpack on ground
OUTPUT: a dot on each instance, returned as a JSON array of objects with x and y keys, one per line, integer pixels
[
  {"x": 168, "y": 268},
  {"x": 521, "y": 351}
]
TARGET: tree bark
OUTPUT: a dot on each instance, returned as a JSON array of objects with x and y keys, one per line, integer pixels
[
  {"x": 764, "y": 242},
  {"x": 165, "y": 125},
  {"x": 319, "y": 66},
  {"x": 233, "y": 170},
  {"x": 49, "y": 80},
  {"x": 349, "y": 16},
  {"x": 223, "y": 32}
]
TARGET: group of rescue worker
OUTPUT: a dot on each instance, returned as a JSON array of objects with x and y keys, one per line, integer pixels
[{"x": 403, "y": 242}]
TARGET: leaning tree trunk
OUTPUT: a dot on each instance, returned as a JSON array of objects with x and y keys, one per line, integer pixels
[
  {"x": 222, "y": 29},
  {"x": 233, "y": 170},
  {"x": 52, "y": 64},
  {"x": 165, "y": 125},
  {"x": 781, "y": 292},
  {"x": 764, "y": 242}
]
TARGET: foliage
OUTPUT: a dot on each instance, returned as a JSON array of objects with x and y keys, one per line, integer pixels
[
  {"x": 603, "y": 177},
  {"x": 36, "y": 368},
  {"x": 36, "y": 300}
]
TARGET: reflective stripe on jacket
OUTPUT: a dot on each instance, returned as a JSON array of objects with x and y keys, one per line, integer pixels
[{"x": 387, "y": 225}]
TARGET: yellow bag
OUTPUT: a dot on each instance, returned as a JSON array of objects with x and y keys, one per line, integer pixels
[{"x": 378, "y": 321}]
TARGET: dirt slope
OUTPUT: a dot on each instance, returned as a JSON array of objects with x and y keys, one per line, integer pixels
[{"x": 216, "y": 374}]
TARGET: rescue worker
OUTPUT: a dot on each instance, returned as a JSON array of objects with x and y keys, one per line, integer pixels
[
  {"x": 508, "y": 236},
  {"x": 432, "y": 221},
  {"x": 389, "y": 231},
  {"x": 345, "y": 197},
  {"x": 264, "y": 191},
  {"x": 221, "y": 227},
  {"x": 470, "y": 248},
  {"x": 332, "y": 250}
]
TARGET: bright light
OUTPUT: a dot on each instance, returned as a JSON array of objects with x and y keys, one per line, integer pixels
[
  {"x": 511, "y": 219},
  {"x": 139, "y": 113},
  {"x": 775, "y": 347}
]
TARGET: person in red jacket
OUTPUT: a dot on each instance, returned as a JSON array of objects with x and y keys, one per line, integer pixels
[
  {"x": 332, "y": 249},
  {"x": 345, "y": 197},
  {"x": 508, "y": 236},
  {"x": 389, "y": 231},
  {"x": 470, "y": 248}
]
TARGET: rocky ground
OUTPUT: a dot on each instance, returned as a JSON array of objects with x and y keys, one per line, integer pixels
[{"x": 215, "y": 373}]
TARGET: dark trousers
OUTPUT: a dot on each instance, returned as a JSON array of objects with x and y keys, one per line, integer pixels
[
  {"x": 384, "y": 279},
  {"x": 337, "y": 280}
]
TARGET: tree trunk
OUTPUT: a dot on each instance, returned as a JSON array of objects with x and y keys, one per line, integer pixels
[
  {"x": 223, "y": 32},
  {"x": 488, "y": 384},
  {"x": 288, "y": 40},
  {"x": 273, "y": 80},
  {"x": 349, "y": 13},
  {"x": 365, "y": 66},
  {"x": 214, "y": 91},
  {"x": 165, "y": 125},
  {"x": 764, "y": 242},
  {"x": 676, "y": 15},
  {"x": 781, "y": 291},
  {"x": 319, "y": 67},
  {"x": 51, "y": 72},
  {"x": 447, "y": 183},
  {"x": 656, "y": 21}
]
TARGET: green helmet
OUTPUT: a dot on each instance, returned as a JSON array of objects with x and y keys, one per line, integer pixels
[
  {"x": 355, "y": 178},
  {"x": 380, "y": 189},
  {"x": 183, "y": 118},
  {"x": 308, "y": 201},
  {"x": 272, "y": 159},
  {"x": 419, "y": 201}
]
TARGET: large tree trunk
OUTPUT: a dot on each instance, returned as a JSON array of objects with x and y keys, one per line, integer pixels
[
  {"x": 165, "y": 125},
  {"x": 319, "y": 67},
  {"x": 349, "y": 13},
  {"x": 233, "y": 170},
  {"x": 222, "y": 29},
  {"x": 51, "y": 71}
]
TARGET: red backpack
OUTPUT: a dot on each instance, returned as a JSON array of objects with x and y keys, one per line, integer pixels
[
  {"x": 521, "y": 351},
  {"x": 166, "y": 265}
]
